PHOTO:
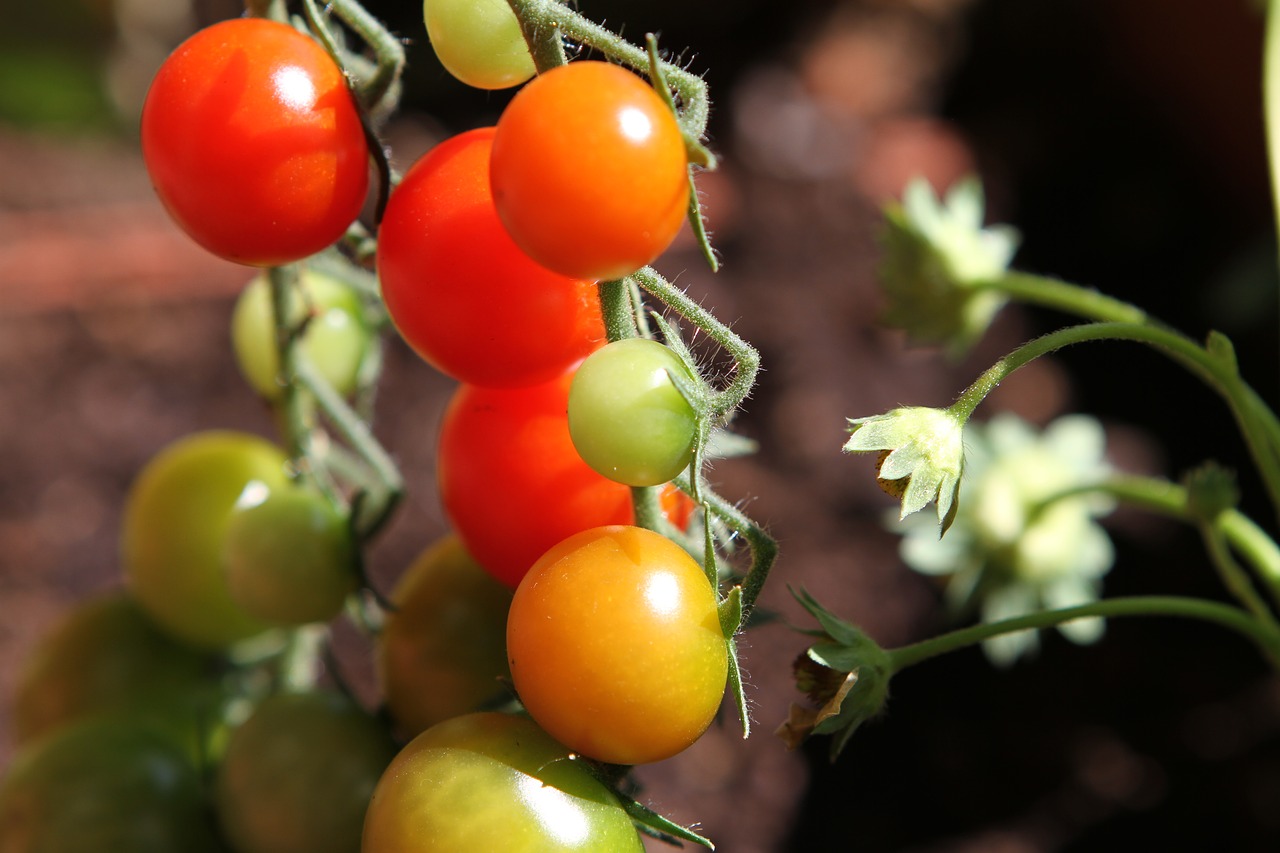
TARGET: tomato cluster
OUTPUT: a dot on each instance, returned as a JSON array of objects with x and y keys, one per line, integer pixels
[{"x": 196, "y": 681}]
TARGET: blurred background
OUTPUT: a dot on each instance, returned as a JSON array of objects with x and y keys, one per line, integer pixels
[{"x": 1123, "y": 138}]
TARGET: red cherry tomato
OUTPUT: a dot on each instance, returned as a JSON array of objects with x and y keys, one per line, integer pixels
[
  {"x": 254, "y": 143},
  {"x": 589, "y": 171},
  {"x": 511, "y": 481},
  {"x": 459, "y": 290}
]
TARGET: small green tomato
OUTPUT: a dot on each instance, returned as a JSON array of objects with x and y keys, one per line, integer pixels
[
  {"x": 626, "y": 417},
  {"x": 335, "y": 341},
  {"x": 479, "y": 42},
  {"x": 289, "y": 559}
]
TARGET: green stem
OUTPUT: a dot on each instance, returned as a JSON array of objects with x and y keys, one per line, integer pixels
[
  {"x": 1233, "y": 618},
  {"x": 376, "y": 509},
  {"x": 294, "y": 421},
  {"x": 1233, "y": 576},
  {"x": 1216, "y": 372},
  {"x": 388, "y": 50},
  {"x": 618, "y": 309},
  {"x": 1257, "y": 422},
  {"x": 1066, "y": 297},
  {"x": 1237, "y": 530},
  {"x": 764, "y": 549},
  {"x": 300, "y": 665},
  {"x": 1271, "y": 99},
  {"x": 745, "y": 357}
]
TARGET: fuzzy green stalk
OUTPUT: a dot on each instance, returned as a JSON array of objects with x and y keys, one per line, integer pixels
[{"x": 1255, "y": 419}]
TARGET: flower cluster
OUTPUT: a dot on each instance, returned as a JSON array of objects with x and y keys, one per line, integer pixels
[{"x": 1025, "y": 536}]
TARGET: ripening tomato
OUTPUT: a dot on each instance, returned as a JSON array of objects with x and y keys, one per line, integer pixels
[
  {"x": 104, "y": 785},
  {"x": 511, "y": 482},
  {"x": 298, "y": 774},
  {"x": 335, "y": 340},
  {"x": 495, "y": 782},
  {"x": 175, "y": 523},
  {"x": 479, "y": 42},
  {"x": 254, "y": 143},
  {"x": 616, "y": 647},
  {"x": 290, "y": 558},
  {"x": 459, "y": 290},
  {"x": 589, "y": 171},
  {"x": 443, "y": 650},
  {"x": 627, "y": 419},
  {"x": 107, "y": 656}
]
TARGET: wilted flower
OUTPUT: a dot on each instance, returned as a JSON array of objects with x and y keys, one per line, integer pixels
[
  {"x": 935, "y": 252},
  {"x": 922, "y": 456},
  {"x": 845, "y": 676},
  {"x": 1015, "y": 547}
]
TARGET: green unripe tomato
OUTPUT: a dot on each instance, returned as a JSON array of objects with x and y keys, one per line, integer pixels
[
  {"x": 106, "y": 656},
  {"x": 479, "y": 42},
  {"x": 627, "y": 419},
  {"x": 335, "y": 341},
  {"x": 297, "y": 775},
  {"x": 289, "y": 559},
  {"x": 104, "y": 785},
  {"x": 493, "y": 781},
  {"x": 175, "y": 523}
]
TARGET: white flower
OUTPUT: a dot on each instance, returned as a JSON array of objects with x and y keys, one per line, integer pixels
[
  {"x": 1016, "y": 547},
  {"x": 922, "y": 456},
  {"x": 935, "y": 253}
]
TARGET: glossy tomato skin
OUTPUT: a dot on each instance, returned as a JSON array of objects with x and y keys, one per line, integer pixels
[
  {"x": 589, "y": 171},
  {"x": 106, "y": 656},
  {"x": 461, "y": 293},
  {"x": 443, "y": 650},
  {"x": 493, "y": 781},
  {"x": 627, "y": 419},
  {"x": 254, "y": 144},
  {"x": 102, "y": 785},
  {"x": 479, "y": 42},
  {"x": 175, "y": 522},
  {"x": 616, "y": 647},
  {"x": 510, "y": 480},
  {"x": 298, "y": 774}
]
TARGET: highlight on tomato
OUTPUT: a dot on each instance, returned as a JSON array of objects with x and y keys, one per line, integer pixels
[
  {"x": 615, "y": 645},
  {"x": 511, "y": 482},
  {"x": 175, "y": 521},
  {"x": 461, "y": 293},
  {"x": 297, "y": 775},
  {"x": 479, "y": 42},
  {"x": 627, "y": 419},
  {"x": 589, "y": 171},
  {"x": 442, "y": 651},
  {"x": 335, "y": 341},
  {"x": 254, "y": 143},
  {"x": 491, "y": 781}
]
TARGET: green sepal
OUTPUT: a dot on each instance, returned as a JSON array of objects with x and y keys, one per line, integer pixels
[
  {"x": 1223, "y": 351},
  {"x": 655, "y": 825},
  {"x": 736, "y": 688}
]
